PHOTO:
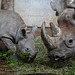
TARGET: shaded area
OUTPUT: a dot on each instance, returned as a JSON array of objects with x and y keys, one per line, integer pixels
[{"x": 40, "y": 74}]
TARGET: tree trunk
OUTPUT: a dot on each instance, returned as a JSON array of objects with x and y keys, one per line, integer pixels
[
  {"x": 65, "y": 4},
  {"x": 7, "y": 4}
]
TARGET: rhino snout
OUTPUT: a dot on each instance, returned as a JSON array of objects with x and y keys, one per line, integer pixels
[
  {"x": 57, "y": 55},
  {"x": 33, "y": 56},
  {"x": 33, "y": 53},
  {"x": 54, "y": 58}
]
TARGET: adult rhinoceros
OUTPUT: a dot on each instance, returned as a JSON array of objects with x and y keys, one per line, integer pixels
[
  {"x": 13, "y": 31},
  {"x": 61, "y": 44}
]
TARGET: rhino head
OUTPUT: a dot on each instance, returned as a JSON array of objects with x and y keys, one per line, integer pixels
[
  {"x": 61, "y": 45},
  {"x": 60, "y": 5},
  {"x": 25, "y": 41}
]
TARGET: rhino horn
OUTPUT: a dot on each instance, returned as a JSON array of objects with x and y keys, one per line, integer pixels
[
  {"x": 56, "y": 31},
  {"x": 48, "y": 40}
]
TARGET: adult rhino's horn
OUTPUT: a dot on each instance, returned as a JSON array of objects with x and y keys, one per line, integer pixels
[
  {"x": 48, "y": 41},
  {"x": 56, "y": 31}
]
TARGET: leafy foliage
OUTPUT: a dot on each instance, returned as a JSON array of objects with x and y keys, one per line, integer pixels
[
  {"x": 72, "y": 70},
  {"x": 6, "y": 56},
  {"x": 24, "y": 56}
]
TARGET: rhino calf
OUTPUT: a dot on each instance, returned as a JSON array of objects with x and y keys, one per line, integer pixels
[{"x": 13, "y": 31}]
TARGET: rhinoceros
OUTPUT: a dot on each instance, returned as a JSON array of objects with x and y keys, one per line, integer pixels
[
  {"x": 60, "y": 5},
  {"x": 13, "y": 32},
  {"x": 61, "y": 45}
]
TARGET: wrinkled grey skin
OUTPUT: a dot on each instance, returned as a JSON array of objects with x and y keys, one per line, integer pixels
[
  {"x": 69, "y": 15},
  {"x": 27, "y": 44},
  {"x": 59, "y": 5},
  {"x": 61, "y": 45},
  {"x": 13, "y": 31}
]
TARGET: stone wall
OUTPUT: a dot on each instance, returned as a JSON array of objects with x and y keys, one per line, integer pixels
[{"x": 34, "y": 12}]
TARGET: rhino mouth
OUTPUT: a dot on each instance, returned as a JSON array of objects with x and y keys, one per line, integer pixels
[
  {"x": 26, "y": 57},
  {"x": 54, "y": 58},
  {"x": 32, "y": 58},
  {"x": 57, "y": 58}
]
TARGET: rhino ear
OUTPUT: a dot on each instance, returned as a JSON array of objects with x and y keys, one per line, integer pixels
[
  {"x": 56, "y": 8},
  {"x": 34, "y": 28},
  {"x": 21, "y": 33},
  {"x": 53, "y": 6}
]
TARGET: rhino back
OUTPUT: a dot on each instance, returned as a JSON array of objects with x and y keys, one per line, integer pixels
[{"x": 10, "y": 23}]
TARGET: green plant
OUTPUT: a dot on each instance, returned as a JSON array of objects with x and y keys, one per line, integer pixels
[
  {"x": 6, "y": 56},
  {"x": 34, "y": 70},
  {"x": 24, "y": 56},
  {"x": 41, "y": 61},
  {"x": 20, "y": 63},
  {"x": 72, "y": 70}
]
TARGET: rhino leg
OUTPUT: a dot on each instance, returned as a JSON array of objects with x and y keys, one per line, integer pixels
[{"x": 10, "y": 45}]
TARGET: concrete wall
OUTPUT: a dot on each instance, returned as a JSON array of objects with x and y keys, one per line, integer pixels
[{"x": 34, "y": 12}]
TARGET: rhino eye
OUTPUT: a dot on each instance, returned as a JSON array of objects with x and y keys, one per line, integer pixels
[
  {"x": 27, "y": 49},
  {"x": 70, "y": 42}
]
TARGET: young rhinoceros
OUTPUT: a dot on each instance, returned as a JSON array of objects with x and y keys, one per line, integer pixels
[{"x": 13, "y": 31}]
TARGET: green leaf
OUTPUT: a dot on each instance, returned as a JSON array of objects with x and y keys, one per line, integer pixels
[
  {"x": 29, "y": 59},
  {"x": 11, "y": 64},
  {"x": 9, "y": 51},
  {"x": 4, "y": 55}
]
